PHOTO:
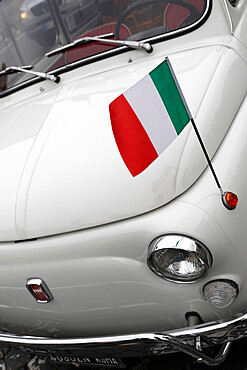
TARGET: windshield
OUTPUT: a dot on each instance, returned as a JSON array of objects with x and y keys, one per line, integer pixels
[{"x": 31, "y": 28}]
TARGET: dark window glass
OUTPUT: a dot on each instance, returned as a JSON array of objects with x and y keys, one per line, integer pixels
[{"x": 31, "y": 28}]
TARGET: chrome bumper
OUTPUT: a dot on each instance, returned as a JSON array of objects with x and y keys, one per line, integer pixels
[{"x": 189, "y": 340}]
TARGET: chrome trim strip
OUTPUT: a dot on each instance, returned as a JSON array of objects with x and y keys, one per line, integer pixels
[
  {"x": 113, "y": 52},
  {"x": 217, "y": 332},
  {"x": 229, "y": 17}
]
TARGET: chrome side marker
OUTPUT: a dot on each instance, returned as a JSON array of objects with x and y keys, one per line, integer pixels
[{"x": 39, "y": 290}]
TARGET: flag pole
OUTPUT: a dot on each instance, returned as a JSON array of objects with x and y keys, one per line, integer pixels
[
  {"x": 207, "y": 156},
  {"x": 194, "y": 127},
  {"x": 229, "y": 199}
]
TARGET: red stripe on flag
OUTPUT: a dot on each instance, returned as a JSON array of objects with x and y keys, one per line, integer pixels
[{"x": 132, "y": 140}]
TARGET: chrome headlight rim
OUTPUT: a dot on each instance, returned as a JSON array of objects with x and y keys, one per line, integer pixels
[{"x": 189, "y": 244}]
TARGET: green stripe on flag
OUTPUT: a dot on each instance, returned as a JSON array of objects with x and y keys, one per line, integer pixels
[{"x": 166, "y": 86}]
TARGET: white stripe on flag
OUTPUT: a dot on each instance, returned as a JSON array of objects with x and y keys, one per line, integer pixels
[{"x": 147, "y": 104}]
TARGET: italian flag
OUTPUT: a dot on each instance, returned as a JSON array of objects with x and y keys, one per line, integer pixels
[{"x": 148, "y": 117}]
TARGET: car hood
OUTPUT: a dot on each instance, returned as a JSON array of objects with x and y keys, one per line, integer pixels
[{"x": 61, "y": 168}]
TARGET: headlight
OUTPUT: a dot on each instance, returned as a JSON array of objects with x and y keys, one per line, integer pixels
[
  {"x": 178, "y": 258},
  {"x": 24, "y": 15}
]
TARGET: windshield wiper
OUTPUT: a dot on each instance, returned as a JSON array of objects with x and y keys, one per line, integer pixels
[
  {"x": 104, "y": 39},
  {"x": 26, "y": 69}
]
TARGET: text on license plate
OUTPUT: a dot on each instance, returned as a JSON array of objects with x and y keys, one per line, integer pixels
[{"x": 100, "y": 361}]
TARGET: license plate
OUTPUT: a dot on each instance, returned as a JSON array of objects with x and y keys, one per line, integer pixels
[{"x": 87, "y": 361}]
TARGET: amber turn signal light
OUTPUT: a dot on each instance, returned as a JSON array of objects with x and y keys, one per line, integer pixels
[{"x": 230, "y": 200}]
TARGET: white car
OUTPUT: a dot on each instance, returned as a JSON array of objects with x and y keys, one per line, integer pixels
[{"x": 106, "y": 254}]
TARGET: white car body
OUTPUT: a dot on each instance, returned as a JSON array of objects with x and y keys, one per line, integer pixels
[{"x": 73, "y": 216}]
